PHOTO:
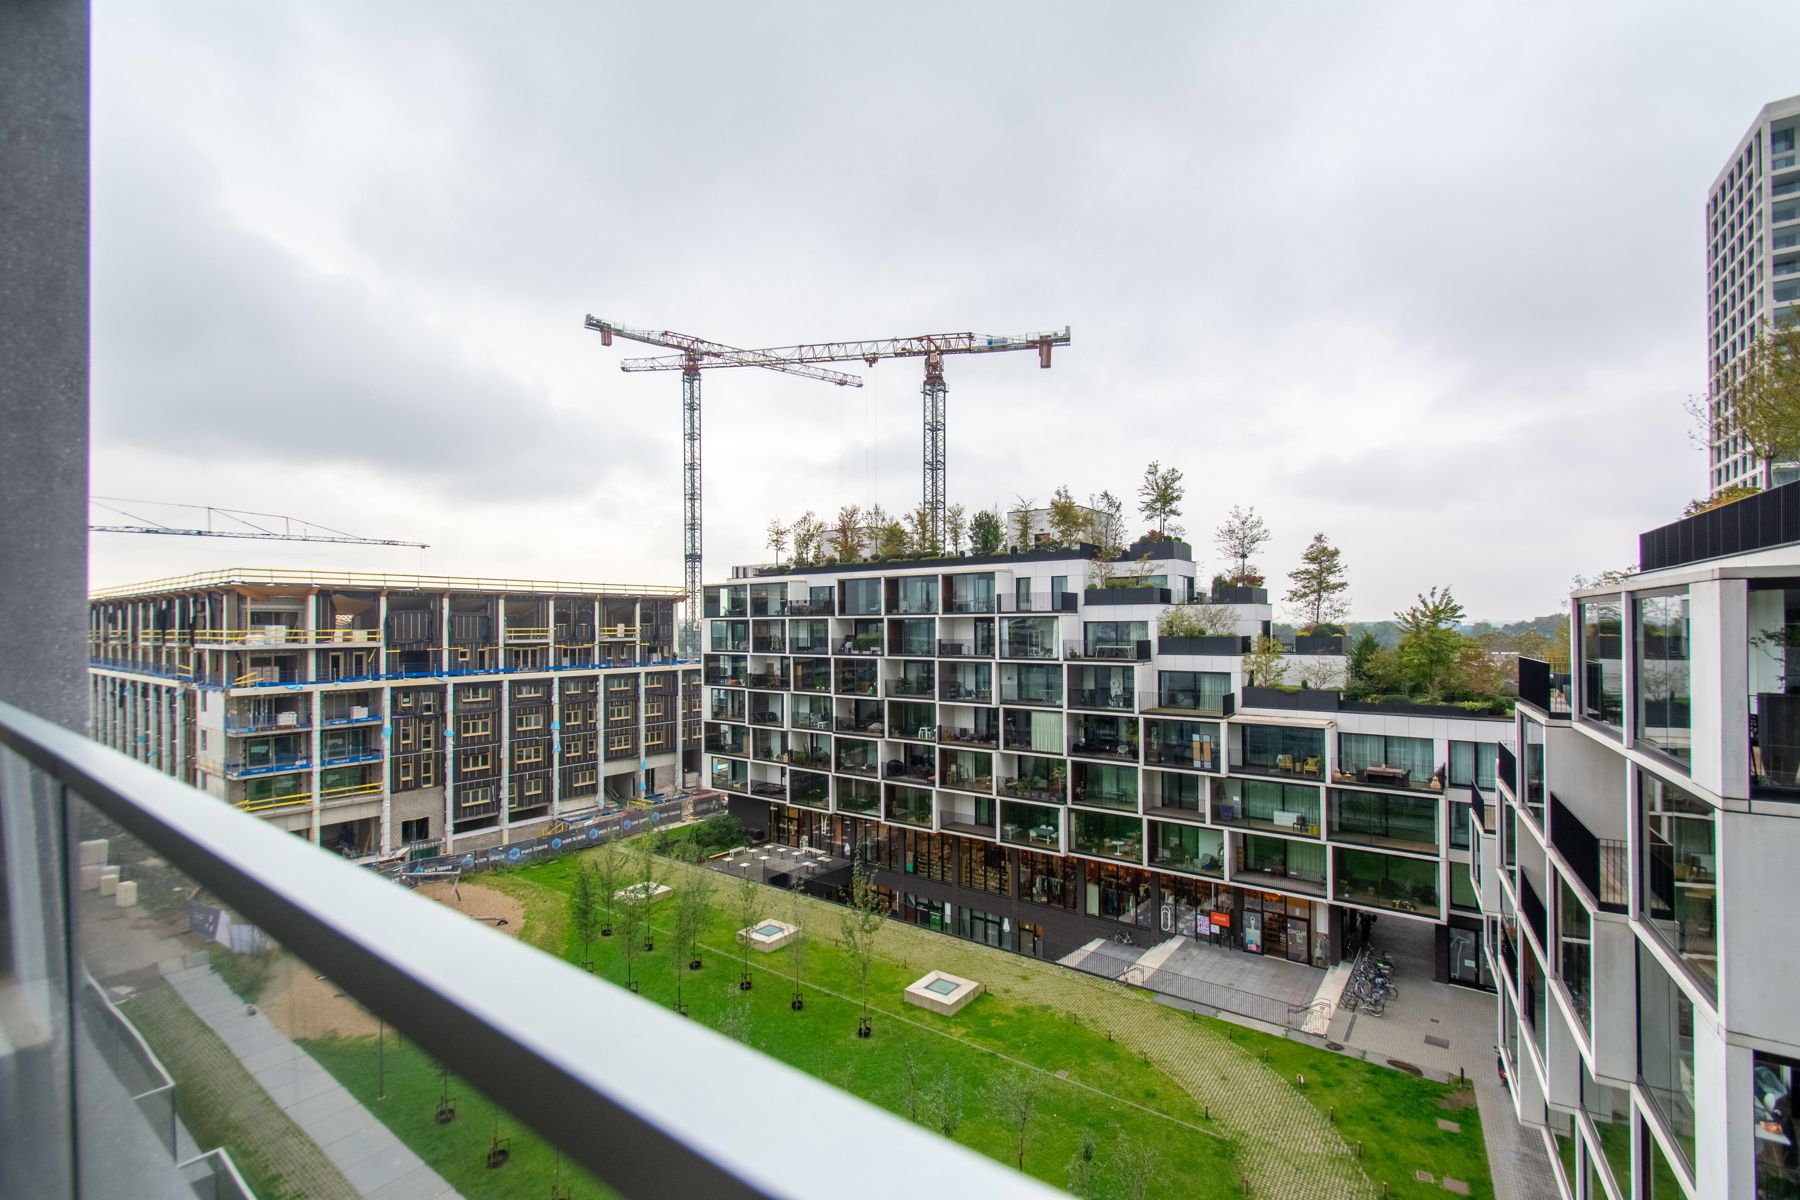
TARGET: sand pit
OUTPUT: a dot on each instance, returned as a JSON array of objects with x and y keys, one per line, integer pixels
[{"x": 483, "y": 903}]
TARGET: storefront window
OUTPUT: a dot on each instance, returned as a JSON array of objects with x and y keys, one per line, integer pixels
[
  {"x": 1602, "y": 669},
  {"x": 987, "y": 928},
  {"x": 1047, "y": 879},
  {"x": 1663, "y": 673},
  {"x": 1119, "y": 894},
  {"x": 984, "y": 867},
  {"x": 1680, "y": 883}
]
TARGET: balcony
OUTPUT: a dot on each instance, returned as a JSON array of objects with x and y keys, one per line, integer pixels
[
  {"x": 535, "y": 1034},
  {"x": 1602, "y": 865},
  {"x": 907, "y": 687},
  {"x": 274, "y": 765},
  {"x": 958, "y": 649},
  {"x": 770, "y": 681},
  {"x": 1108, "y": 651},
  {"x": 1182, "y": 701},
  {"x": 1030, "y": 826},
  {"x": 1508, "y": 769}
]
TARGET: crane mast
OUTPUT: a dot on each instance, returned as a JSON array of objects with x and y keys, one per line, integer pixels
[
  {"x": 695, "y": 355},
  {"x": 935, "y": 394}
]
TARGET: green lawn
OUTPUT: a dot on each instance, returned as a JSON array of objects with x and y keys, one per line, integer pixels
[
  {"x": 1392, "y": 1114},
  {"x": 457, "y": 1151}
]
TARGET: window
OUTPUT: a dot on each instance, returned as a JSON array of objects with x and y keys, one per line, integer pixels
[
  {"x": 1200, "y": 691},
  {"x": 1665, "y": 1048},
  {"x": 533, "y": 786},
  {"x": 1473, "y": 764},
  {"x": 1777, "y": 1165},
  {"x": 476, "y": 727},
  {"x": 1680, "y": 880},
  {"x": 1399, "y": 761},
  {"x": 417, "y": 829},
  {"x": 528, "y": 720},
  {"x": 1662, "y": 673},
  {"x": 531, "y": 752},
  {"x": 618, "y": 712},
  {"x": 1113, "y": 639},
  {"x": 862, "y": 597},
  {"x": 476, "y": 760}
]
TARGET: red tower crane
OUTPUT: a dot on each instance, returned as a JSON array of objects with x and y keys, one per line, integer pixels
[
  {"x": 696, "y": 355},
  {"x": 932, "y": 347}
]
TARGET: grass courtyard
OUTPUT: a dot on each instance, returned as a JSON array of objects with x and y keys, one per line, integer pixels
[{"x": 1173, "y": 1104}]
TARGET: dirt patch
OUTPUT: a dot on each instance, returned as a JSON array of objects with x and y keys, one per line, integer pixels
[
  {"x": 304, "y": 1005},
  {"x": 497, "y": 909},
  {"x": 1461, "y": 1098}
]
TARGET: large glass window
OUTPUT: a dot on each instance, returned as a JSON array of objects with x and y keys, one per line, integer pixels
[
  {"x": 1602, "y": 656},
  {"x": 1024, "y": 684},
  {"x": 1188, "y": 848},
  {"x": 1575, "y": 953},
  {"x": 1101, "y": 786},
  {"x": 1029, "y": 824},
  {"x": 1278, "y": 750},
  {"x": 1680, "y": 879},
  {"x": 1377, "y": 819},
  {"x": 1384, "y": 881},
  {"x": 1665, "y": 1045},
  {"x": 1393, "y": 761},
  {"x": 914, "y": 594},
  {"x": 1106, "y": 836},
  {"x": 861, "y": 597},
  {"x": 1287, "y": 807},
  {"x": 1777, "y": 1159},
  {"x": 1028, "y": 637},
  {"x": 1299, "y": 862},
  {"x": 971, "y": 594},
  {"x": 1114, "y": 639},
  {"x": 1102, "y": 687},
  {"x": 1774, "y": 687},
  {"x": 1473, "y": 764},
  {"x": 1190, "y": 744},
  {"x": 1118, "y": 894},
  {"x": 1166, "y": 790},
  {"x": 1047, "y": 879},
  {"x": 1662, "y": 673},
  {"x": 1195, "y": 691}
]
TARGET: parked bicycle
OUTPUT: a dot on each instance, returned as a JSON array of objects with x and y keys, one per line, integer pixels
[{"x": 1124, "y": 939}]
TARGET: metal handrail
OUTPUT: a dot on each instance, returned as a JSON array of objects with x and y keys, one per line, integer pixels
[
  {"x": 230, "y": 576},
  {"x": 649, "y": 1102}
]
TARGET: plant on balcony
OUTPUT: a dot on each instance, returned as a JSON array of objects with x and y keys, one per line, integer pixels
[
  {"x": 1159, "y": 497},
  {"x": 1196, "y": 620},
  {"x": 1319, "y": 585}
]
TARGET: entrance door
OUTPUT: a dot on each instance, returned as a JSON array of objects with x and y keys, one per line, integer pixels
[
  {"x": 1299, "y": 940},
  {"x": 1031, "y": 939}
]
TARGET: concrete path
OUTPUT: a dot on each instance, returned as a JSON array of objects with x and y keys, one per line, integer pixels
[{"x": 358, "y": 1144}]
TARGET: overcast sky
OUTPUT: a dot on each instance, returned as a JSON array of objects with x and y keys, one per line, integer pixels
[{"x": 1425, "y": 277}]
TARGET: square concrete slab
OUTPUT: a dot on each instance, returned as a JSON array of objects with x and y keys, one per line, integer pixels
[
  {"x": 769, "y": 935},
  {"x": 1449, "y": 1126},
  {"x": 943, "y": 993},
  {"x": 1455, "y": 1185}
]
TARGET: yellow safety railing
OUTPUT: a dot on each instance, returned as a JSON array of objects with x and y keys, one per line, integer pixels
[
  {"x": 287, "y": 801},
  {"x": 232, "y": 637},
  {"x": 615, "y": 632},
  {"x": 532, "y": 632},
  {"x": 349, "y": 790},
  {"x": 378, "y": 581},
  {"x": 248, "y": 678}
]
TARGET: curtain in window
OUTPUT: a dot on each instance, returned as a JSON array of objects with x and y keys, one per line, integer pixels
[
  {"x": 1307, "y": 861},
  {"x": 1046, "y": 732},
  {"x": 1412, "y": 753}
]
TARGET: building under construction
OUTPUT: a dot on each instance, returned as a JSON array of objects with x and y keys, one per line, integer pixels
[{"x": 374, "y": 713}]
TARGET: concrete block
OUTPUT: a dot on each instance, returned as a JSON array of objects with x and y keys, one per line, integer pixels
[
  {"x": 90, "y": 876},
  {"x": 126, "y": 895},
  {"x": 93, "y": 852},
  {"x": 109, "y": 880}
]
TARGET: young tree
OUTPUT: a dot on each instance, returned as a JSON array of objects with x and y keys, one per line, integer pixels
[
  {"x": 584, "y": 911},
  {"x": 986, "y": 533},
  {"x": 1321, "y": 674},
  {"x": 1358, "y": 662},
  {"x": 734, "y": 1016},
  {"x": 921, "y": 538},
  {"x": 847, "y": 534},
  {"x": 1429, "y": 641},
  {"x": 862, "y": 921},
  {"x": 912, "y": 1064},
  {"x": 1021, "y": 518},
  {"x": 1763, "y": 403},
  {"x": 644, "y": 889},
  {"x": 875, "y": 519},
  {"x": 1106, "y": 527},
  {"x": 633, "y": 925},
  {"x": 692, "y": 903},
  {"x": 956, "y": 523},
  {"x": 746, "y": 901},
  {"x": 1137, "y": 1167},
  {"x": 949, "y": 1104},
  {"x": 777, "y": 538},
  {"x": 1159, "y": 496},
  {"x": 1067, "y": 520},
  {"x": 796, "y": 946},
  {"x": 1197, "y": 620},
  {"x": 1319, "y": 585},
  {"x": 1239, "y": 538},
  {"x": 1083, "y": 1170},
  {"x": 1264, "y": 665},
  {"x": 607, "y": 882},
  {"x": 806, "y": 533},
  {"x": 890, "y": 543},
  {"x": 1016, "y": 1099}
]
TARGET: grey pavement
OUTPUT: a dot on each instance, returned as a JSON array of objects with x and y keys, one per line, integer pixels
[{"x": 375, "y": 1162}]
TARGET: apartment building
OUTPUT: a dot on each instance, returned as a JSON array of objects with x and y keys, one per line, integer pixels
[
  {"x": 1029, "y": 764},
  {"x": 1636, "y": 867},
  {"x": 1752, "y": 275},
  {"x": 373, "y": 713}
]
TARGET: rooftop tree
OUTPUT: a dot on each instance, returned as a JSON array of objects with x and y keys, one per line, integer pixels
[
  {"x": 1239, "y": 538},
  {"x": 1067, "y": 519},
  {"x": 1159, "y": 497},
  {"x": 986, "y": 534},
  {"x": 956, "y": 523},
  {"x": 777, "y": 538},
  {"x": 1430, "y": 643},
  {"x": 1319, "y": 585},
  {"x": 1021, "y": 515},
  {"x": 847, "y": 534},
  {"x": 1763, "y": 402},
  {"x": 807, "y": 532}
]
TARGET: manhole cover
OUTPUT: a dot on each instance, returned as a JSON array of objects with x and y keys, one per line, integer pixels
[
  {"x": 1334, "y": 1045},
  {"x": 1424, "y": 1177},
  {"x": 1455, "y": 1185},
  {"x": 1449, "y": 1126},
  {"x": 1401, "y": 1065},
  {"x": 1440, "y": 1043}
]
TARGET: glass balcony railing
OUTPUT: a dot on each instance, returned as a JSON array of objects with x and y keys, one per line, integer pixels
[{"x": 545, "y": 1059}]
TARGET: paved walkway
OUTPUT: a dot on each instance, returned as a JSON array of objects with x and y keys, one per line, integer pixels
[
  {"x": 1270, "y": 990},
  {"x": 358, "y": 1144}
]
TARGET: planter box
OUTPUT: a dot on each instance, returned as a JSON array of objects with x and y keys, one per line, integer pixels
[
  {"x": 1226, "y": 645},
  {"x": 1329, "y": 643},
  {"x": 1166, "y": 549},
  {"x": 1133, "y": 595}
]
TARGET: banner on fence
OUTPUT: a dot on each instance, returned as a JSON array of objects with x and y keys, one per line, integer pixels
[{"x": 594, "y": 830}]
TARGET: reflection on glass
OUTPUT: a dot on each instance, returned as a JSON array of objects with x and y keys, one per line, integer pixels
[{"x": 1663, "y": 673}]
